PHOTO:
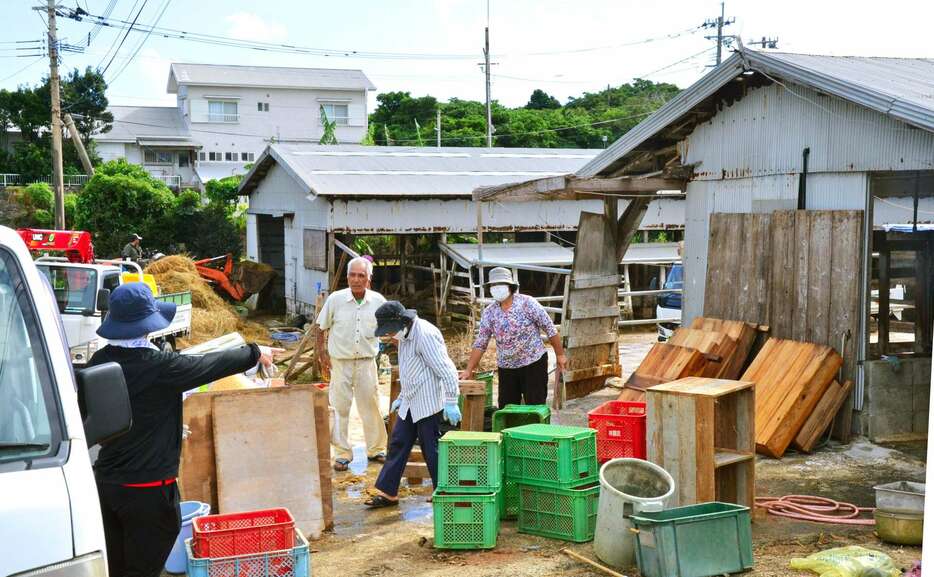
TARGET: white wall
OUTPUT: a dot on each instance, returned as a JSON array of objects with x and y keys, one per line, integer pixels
[
  {"x": 277, "y": 195},
  {"x": 110, "y": 150},
  {"x": 435, "y": 215},
  {"x": 293, "y": 115}
]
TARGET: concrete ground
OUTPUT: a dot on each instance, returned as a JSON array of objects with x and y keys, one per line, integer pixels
[{"x": 398, "y": 541}]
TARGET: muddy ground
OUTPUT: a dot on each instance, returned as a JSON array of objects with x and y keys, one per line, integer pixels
[{"x": 398, "y": 541}]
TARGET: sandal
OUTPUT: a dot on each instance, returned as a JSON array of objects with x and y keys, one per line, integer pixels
[
  {"x": 379, "y": 501},
  {"x": 378, "y": 458},
  {"x": 341, "y": 464}
]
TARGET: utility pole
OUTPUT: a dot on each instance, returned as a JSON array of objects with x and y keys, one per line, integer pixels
[
  {"x": 76, "y": 139},
  {"x": 489, "y": 108},
  {"x": 719, "y": 22},
  {"x": 57, "y": 179},
  {"x": 764, "y": 43},
  {"x": 438, "y": 125}
]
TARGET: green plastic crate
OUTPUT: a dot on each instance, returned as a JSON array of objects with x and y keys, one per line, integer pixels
[
  {"x": 568, "y": 514},
  {"x": 694, "y": 541},
  {"x": 510, "y": 500},
  {"x": 470, "y": 462},
  {"x": 466, "y": 521},
  {"x": 518, "y": 415},
  {"x": 486, "y": 377},
  {"x": 551, "y": 455}
]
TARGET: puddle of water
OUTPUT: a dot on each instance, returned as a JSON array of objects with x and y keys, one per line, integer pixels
[{"x": 420, "y": 511}]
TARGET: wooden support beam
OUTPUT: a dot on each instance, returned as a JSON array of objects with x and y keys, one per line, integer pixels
[
  {"x": 569, "y": 187},
  {"x": 628, "y": 223}
]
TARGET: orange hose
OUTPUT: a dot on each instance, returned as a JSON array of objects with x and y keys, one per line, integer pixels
[{"x": 816, "y": 509}]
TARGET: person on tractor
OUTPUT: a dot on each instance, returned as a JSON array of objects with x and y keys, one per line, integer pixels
[{"x": 132, "y": 251}]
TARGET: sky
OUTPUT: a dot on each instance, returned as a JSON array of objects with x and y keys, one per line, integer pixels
[{"x": 563, "y": 47}]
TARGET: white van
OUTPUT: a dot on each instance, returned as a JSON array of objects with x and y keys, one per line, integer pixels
[{"x": 50, "y": 520}]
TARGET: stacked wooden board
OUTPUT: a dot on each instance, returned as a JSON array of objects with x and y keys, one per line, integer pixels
[
  {"x": 710, "y": 347},
  {"x": 791, "y": 379}
]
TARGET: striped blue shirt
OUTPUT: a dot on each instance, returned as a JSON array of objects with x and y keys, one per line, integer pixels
[{"x": 427, "y": 375}]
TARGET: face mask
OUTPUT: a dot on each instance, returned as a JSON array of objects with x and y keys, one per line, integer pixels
[
  {"x": 500, "y": 292},
  {"x": 399, "y": 335}
]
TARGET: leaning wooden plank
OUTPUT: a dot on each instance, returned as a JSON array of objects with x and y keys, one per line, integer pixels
[
  {"x": 814, "y": 382},
  {"x": 790, "y": 381},
  {"x": 323, "y": 442},
  {"x": 711, "y": 344},
  {"x": 197, "y": 478},
  {"x": 743, "y": 333},
  {"x": 822, "y": 416},
  {"x": 262, "y": 464},
  {"x": 631, "y": 395},
  {"x": 666, "y": 362}
]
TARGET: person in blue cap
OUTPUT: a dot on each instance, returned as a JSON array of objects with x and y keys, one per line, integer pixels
[{"x": 136, "y": 472}]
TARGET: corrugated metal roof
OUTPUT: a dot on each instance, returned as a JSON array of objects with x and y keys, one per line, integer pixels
[
  {"x": 902, "y": 88},
  {"x": 266, "y": 76},
  {"x": 146, "y": 122},
  {"x": 354, "y": 170},
  {"x": 171, "y": 143}
]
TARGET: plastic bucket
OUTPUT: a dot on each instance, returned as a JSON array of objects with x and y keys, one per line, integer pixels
[
  {"x": 178, "y": 558},
  {"x": 627, "y": 486}
]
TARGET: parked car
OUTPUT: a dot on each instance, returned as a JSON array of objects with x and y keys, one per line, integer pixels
[{"x": 668, "y": 305}]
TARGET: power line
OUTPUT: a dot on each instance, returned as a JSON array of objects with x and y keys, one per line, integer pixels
[
  {"x": 23, "y": 69},
  {"x": 139, "y": 47},
  {"x": 113, "y": 44},
  {"x": 227, "y": 41},
  {"x": 128, "y": 30}
]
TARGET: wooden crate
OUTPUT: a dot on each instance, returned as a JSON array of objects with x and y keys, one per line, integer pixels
[
  {"x": 702, "y": 431},
  {"x": 791, "y": 378},
  {"x": 742, "y": 332}
]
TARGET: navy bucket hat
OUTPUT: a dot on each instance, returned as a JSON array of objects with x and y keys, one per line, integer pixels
[
  {"x": 392, "y": 317},
  {"x": 135, "y": 313}
]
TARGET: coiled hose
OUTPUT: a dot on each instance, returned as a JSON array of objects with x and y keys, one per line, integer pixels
[{"x": 816, "y": 509}]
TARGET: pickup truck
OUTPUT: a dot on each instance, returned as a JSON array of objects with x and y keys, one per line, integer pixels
[
  {"x": 50, "y": 519},
  {"x": 668, "y": 305},
  {"x": 82, "y": 292}
]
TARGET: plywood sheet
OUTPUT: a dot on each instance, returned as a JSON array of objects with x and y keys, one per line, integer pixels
[
  {"x": 267, "y": 454},
  {"x": 197, "y": 476}
]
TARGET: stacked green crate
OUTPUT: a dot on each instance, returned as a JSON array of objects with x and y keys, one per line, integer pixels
[
  {"x": 557, "y": 479},
  {"x": 515, "y": 416},
  {"x": 468, "y": 499}
]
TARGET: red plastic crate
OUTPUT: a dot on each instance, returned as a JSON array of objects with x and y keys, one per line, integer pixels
[
  {"x": 245, "y": 533},
  {"x": 620, "y": 429}
]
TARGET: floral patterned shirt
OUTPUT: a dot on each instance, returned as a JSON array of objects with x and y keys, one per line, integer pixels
[{"x": 517, "y": 331}]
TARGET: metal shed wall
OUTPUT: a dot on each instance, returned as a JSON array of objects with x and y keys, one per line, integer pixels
[{"x": 765, "y": 132}]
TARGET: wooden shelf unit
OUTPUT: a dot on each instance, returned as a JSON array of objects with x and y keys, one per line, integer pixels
[{"x": 702, "y": 431}]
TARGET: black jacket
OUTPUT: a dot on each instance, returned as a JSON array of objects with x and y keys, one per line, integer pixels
[{"x": 151, "y": 450}]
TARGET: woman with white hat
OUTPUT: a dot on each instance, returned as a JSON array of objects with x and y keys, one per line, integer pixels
[{"x": 516, "y": 322}]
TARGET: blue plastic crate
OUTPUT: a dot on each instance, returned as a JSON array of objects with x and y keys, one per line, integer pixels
[{"x": 295, "y": 562}]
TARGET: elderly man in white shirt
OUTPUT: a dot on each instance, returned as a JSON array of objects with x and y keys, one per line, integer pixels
[
  {"x": 428, "y": 388},
  {"x": 348, "y": 324}
]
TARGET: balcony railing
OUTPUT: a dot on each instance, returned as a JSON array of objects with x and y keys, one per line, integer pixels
[
  {"x": 73, "y": 180},
  {"x": 170, "y": 180},
  {"x": 215, "y": 117}
]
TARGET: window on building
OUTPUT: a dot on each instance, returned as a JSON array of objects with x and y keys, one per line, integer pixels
[
  {"x": 230, "y": 156},
  {"x": 151, "y": 156},
  {"x": 222, "y": 111},
  {"x": 262, "y": 106},
  {"x": 336, "y": 113},
  {"x": 202, "y": 156},
  {"x": 215, "y": 156},
  {"x": 246, "y": 157},
  {"x": 183, "y": 159}
]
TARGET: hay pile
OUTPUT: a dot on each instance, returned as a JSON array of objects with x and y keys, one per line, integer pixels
[
  {"x": 211, "y": 316},
  {"x": 460, "y": 345}
]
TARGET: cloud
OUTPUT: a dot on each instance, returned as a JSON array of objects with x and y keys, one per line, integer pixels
[{"x": 251, "y": 26}]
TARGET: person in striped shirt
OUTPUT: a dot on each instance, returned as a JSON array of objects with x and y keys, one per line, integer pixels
[{"x": 429, "y": 388}]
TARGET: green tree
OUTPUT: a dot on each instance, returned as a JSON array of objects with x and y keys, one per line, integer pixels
[
  {"x": 541, "y": 100},
  {"x": 39, "y": 196},
  {"x": 27, "y": 108},
  {"x": 121, "y": 199},
  {"x": 224, "y": 190}
]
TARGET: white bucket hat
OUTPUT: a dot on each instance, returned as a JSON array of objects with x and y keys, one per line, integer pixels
[{"x": 500, "y": 275}]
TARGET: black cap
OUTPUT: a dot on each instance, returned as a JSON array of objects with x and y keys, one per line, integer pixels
[{"x": 392, "y": 317}]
